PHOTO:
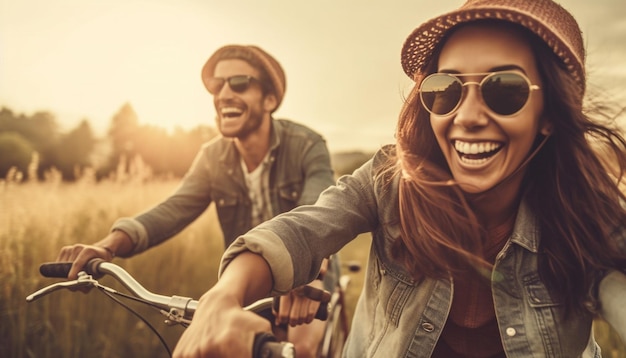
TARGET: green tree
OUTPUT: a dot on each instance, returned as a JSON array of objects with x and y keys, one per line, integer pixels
[
  {"x": 123, "y": 134},
  {"x": 74, "y": 151},
  {"x": 40, "y": 130},
  {"x": 15, "y": 151}
]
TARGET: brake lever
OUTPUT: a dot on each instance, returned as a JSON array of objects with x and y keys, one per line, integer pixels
[
  {"x": 175, "y": 316},
  {"x": 84, "y": 280}
]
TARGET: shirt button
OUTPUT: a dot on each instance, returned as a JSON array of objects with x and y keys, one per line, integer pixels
[
  {"x": 428, "y": 327},
  {"x": 510, "y": 331}
]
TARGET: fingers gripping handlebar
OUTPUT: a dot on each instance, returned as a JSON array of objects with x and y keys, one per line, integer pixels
[{"x": 323, "y": 297}]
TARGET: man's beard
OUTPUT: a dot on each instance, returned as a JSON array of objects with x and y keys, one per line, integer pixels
[{"x": 250, "y": 126}]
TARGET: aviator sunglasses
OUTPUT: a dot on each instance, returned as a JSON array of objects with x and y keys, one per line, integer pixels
[
  {"x": 505, "y": 93},
  {"x": 237, "y": 84}
]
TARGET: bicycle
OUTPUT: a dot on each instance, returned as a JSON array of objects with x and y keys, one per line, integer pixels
[
  {"x": 337, "y": 326},
  {"x": 180, "y": 310}
]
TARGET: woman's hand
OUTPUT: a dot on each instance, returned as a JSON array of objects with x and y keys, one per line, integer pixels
[{"x": 220, "y": 328}]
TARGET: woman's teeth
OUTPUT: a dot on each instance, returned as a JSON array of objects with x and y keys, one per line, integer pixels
[{"x": 476, "y": 152}]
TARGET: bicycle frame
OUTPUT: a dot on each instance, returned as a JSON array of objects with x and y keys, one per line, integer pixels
[{"x": 337, "y": 328}]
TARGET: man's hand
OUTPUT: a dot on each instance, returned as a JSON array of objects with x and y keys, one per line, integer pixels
[
  {"x": 299, "y": 306},
  {"x": 115, "y": 243}
]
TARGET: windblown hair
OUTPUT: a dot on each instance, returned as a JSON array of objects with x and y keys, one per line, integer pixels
[{"x": 571, "y": 188}]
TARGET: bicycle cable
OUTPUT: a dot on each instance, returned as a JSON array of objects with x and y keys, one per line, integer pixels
[{"x": 127, "y": 307}]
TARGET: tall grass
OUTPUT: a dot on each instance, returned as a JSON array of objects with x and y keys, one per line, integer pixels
[{"x": 37, "y": 219}]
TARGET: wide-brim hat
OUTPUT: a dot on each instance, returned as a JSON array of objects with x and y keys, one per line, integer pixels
[
  {"x": 268, "y": 63},
  {"x": 547, "y": 19}
]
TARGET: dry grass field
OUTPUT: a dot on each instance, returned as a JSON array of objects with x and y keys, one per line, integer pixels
[{"x": 37, "y": 219}]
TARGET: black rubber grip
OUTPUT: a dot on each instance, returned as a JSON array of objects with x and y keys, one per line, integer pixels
[
  {"x": 260, "y": 340},
  {"x": 62, "y": 269},
  {"x": 266, "y": 346},
  {"x": 55, "y": 269},
  {"x": 322, "y": 312}
]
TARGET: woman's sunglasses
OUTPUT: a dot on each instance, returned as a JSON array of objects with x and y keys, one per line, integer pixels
[
  {"x": 237, "y": 84},
  {"x": 505, "y": 93}
]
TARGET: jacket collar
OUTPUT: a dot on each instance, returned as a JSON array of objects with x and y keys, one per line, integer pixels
[{"x": 526, "y": 230}]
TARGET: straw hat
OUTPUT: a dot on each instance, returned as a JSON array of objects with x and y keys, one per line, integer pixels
[
  {"x": 547, "y": 19},
  {"x": 255, "y": 56}
]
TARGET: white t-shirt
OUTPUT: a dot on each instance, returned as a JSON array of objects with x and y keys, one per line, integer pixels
[{"x": 257, "y": 182}]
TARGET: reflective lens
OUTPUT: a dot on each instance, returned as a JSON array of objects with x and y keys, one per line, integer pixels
[
  {"x": 504, "y": 93},
  {"x": 238, "y": 84}
]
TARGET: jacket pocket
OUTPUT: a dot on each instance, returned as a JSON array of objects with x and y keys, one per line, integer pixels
[
  {"x": 229, "y": 210},
  {"x": 289, "y": 194},
  {"x": 394, "y": 293},
  {"x": 544, "y": 315},
  {"x": 225, "y": 202},
  {"x": 537, "y": 293}
]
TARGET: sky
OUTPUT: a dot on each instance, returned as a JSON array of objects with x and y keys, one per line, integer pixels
[{"x": 84, "y": 59}]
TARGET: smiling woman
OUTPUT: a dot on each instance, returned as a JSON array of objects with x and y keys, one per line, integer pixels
[{"x": 508, "y": 124}]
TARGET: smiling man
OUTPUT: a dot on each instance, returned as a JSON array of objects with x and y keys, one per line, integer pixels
[{"x": 258, "y": 168}]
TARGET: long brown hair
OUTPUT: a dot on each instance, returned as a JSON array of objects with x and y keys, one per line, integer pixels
[{"x": 569, "y": 187}]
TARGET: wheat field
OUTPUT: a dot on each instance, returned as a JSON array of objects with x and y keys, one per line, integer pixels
[{"x": 37, "y": 219}]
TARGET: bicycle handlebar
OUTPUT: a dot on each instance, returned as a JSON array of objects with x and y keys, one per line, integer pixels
[
  {"x": 176, "y": 308},
  {"x": 99, "y": 267}
]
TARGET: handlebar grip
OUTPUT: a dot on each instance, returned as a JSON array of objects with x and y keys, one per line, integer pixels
[
  {"x": 322, "y": 312},
  {"x": 266, "y": 346},
  {"x": 55, "y": 269},
  {"x": 62, "y": 269}
]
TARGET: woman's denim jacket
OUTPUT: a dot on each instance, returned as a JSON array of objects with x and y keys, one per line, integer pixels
[
  {"x": 300, "y": 171},
  {"x": 397, "y": 316}
]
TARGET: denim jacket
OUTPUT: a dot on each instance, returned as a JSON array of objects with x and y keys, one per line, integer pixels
[
  {"x": 300, "y": 171},
  {"x": 397, "y": 316}
]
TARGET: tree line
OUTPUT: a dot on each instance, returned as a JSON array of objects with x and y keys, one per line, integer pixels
[{"x": 25, "y": 139}]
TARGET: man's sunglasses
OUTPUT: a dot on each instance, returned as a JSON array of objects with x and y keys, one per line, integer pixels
[
  {"x": 505, "y": 93},
  {"x": 238, "y": 84}
]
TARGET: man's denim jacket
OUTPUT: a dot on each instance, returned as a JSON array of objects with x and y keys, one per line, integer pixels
[
  {"x": 397, "y": 316},
  {"x": 300, "y": 171}
]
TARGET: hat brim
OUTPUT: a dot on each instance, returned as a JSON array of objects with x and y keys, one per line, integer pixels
[
  {"x": 418, "y": 48},
  {"x": 209, "y": 67}
]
